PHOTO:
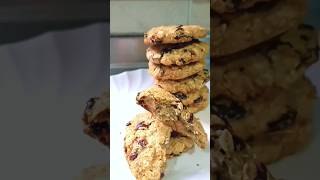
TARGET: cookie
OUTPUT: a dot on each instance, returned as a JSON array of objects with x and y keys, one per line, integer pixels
[
  {"x": 232, "y": 158},
  {"x": 196, "y": 133},
  {"x": 174, "y": 34},
  {"x": 273, "y": 146},
  {"x": 178, "y": 144},
  {"x": 96, "y": 119},
  {"x": 279, "y": 63},
  {"x": 98, "y": 172},
  {"x": 175, "y": 72},
  {"x": 199, "y": 105},
  {"x": 178, "y": 54},
  {"x": 187, "y": 85},
  {"x": 231, "y": 6},
  {"x": 193, "y": 97},
  {"x": 170, "y": 110},
  {"x": 162, "y": 104},
  {"x": 145, "y": 146},
  {"x": 237, "y": 31},
  {"x": 278, "y": 109}
]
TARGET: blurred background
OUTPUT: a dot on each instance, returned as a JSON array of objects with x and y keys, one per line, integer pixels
[{"x": 53, "y": 58}]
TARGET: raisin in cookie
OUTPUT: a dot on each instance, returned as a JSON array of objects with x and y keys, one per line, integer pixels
[
  {"x": 145, "y": 146},
  {"x": 175, "y": 72},
  {"x": 178, "y": 54},
  {"x": 199, "y": 105},
  {"x": 275, "y": 145},
  {"x": 237, "y": 31},
  {"x": 278, "y": 62},
  {"x": 277, "y": 109},
  {"x": 193, "y": 97},
  {"x": 169, "y": 109},
  {"x": 96, "y": 119},
  {"x": 186, "y": 85},
  {"x": 174, "y": 34},
  {"x": 232, "y": 158}
]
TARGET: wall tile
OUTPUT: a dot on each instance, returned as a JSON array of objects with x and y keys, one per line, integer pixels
[
  {"x": 137, "y": 16},
  {"x": 200, "y": 13}
]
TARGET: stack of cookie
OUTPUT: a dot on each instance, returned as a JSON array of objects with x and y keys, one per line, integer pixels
[
  {"x": 165, "y": 131},
  {"x": 169, "y": 128},
  {"x": 260, "y": 56},
  {"x": 177, "y": 61}
]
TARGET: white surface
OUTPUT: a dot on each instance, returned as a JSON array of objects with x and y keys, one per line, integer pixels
[
  {"x": 44, "y": 83},
  {"x": 123, "y": 90}
]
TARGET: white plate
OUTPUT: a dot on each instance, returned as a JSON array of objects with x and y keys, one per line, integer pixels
[{"x": 123, "y": 90}]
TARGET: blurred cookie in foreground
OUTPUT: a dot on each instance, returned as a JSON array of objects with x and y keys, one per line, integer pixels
[
  {"x": 277, "y": 109},
  {"x": 232, "y": 158},
  {"x": 96, "y": 119},
  {"x": 275, "y": 63},
  {"x": 240, "y": 29},
  {"x": 275, "y": 145}
]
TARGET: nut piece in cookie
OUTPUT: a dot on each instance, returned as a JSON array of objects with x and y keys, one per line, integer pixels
[
  {"x": 96, "y": 119},
  {"x": 174, "y": 34},
  {"x": 178, "y": 54}
]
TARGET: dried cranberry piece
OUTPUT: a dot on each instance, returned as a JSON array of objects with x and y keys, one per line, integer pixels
[
  {"x": 133, "y": 156},
  {"x": 142, "y": 142}
]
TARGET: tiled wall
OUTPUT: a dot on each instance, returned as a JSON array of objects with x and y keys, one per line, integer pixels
[{"x": 136, "y": 16}]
